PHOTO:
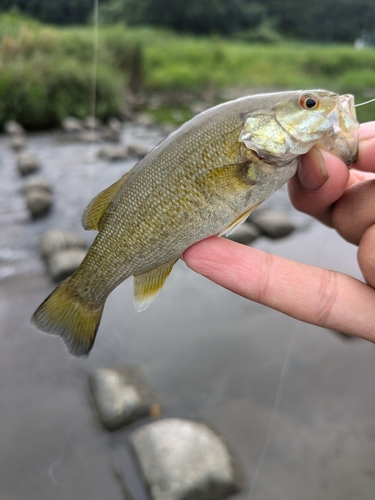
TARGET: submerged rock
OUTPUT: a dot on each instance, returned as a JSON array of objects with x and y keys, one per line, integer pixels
[
  {"x": 72, "y": 125},
  {"x": 137, "y": 149},
  {"x": 13, "y": 128},
  {"x": 18, "y": 142},
  {"x": 271, "y": 223},
  {"x": 36, "y": 182},
  {"x": 27, "y": 163},
  {"x": 246, "y": 233},
  {"x": 121, "y": 396},
  {"x": 62, "y": 264},
  {"x": 39, "y": 202},
  {"x": 182, "y": 459},
  {"x": 58, "y": 240},
  {"x": 113, "y": 153}
]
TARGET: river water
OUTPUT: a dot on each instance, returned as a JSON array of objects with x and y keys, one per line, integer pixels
[{"x": 295, "y": 402}]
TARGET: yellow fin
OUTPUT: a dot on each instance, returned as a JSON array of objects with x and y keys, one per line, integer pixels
[
  {"x": 149, "y": 284},
  {"x": 229, "y": 230},
  {"x": 97, "y": 207},
  {"x": 62, "y": 314}
]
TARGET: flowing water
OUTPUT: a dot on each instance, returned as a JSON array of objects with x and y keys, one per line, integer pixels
[{"x": 208, "y": 353}]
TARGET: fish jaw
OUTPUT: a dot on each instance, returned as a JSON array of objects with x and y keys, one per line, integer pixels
[{"x": 343, "y": 140}]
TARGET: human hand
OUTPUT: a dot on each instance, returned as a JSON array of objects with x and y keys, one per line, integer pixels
[{"x": 343, "y": 199}]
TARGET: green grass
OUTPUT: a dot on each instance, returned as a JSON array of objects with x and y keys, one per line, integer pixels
[{"x": 47, "y": 72}]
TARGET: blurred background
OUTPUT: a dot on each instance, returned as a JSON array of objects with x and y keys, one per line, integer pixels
[{"x": 86, "y": 89}]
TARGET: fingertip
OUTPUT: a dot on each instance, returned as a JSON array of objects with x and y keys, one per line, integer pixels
[{"x": 311, "y": 171}]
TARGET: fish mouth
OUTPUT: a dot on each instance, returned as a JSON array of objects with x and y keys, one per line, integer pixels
[{"x": 343, "y": 141}]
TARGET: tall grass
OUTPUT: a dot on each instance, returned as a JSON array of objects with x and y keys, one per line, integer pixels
[{"x": 46, "y": 72}]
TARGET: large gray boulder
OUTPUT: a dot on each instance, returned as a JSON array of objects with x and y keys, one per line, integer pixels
[
  {"x": 121, "y": 395},
  {"x": 185, "y": 460}
]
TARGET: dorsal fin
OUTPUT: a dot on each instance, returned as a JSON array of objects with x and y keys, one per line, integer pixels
[{"x": 97, "y": 207}]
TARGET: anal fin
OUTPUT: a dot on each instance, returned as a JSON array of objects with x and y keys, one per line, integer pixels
[
  {"x": 233, "y": 226},
  {"x": 97, "y": 207},
  {"x": 149, "y": 284}
]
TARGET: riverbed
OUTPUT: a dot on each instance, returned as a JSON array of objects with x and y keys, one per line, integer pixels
[{"x": 296, "y": 403}]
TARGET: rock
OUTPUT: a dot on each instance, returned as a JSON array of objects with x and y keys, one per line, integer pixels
[
  {"x": 109, "y": 134},
  {"x": 181, "y": 459},
  {"x": 198, "y": 107},
  {"x": 271, "y": 223},
  {"x": 13, "y": 128},
  {"x": 59, "y": 240},
  {"x": 27, "y": 163},
  {"x": 18, "y": 142},
  {"x": 39, "y": 202},
  {"x": 121, "y": 396},
  {"x": 92, "y": 123},
  {"x": 36, "y": 182},
  {"x": 72, "y": 125},
  {"x": 145, "y": 120},
  {"x": 113, "y": 153},
  {"x": 114, "y": 124},
  {"x": 137, "y": 149},
  {"x": 245, "y": 233},
  {"x": 63, "y": 263},
  {"x": 91, "y": 136}
]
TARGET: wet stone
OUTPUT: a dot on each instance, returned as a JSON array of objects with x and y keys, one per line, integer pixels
[
  {"x": 246, "y": 233},
  {"x": 121, "y": 396},
  {"x": 63, "y": 264},
  {"x": 113, "y": 153},
  {"x": 271, "y": 223},
  {"x": 92, "y": 123},
  {"x": 72, "y": 125},
  {"x": 18, "y": 142},
  {"x": 36, "y": 182},
  {"x": 182, "y": 460},
  {"x": 39, "y": 202},
  {"x": 137, "y": 149},
  {"x": 58, "y": 240},
  {"x": 27, "y": 163},
  {"x": 13, "y": 128}
]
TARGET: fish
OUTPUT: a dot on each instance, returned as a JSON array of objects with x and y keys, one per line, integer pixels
[{"x": 204, "y": 179}]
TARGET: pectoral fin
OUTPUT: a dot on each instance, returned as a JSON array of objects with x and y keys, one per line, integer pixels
[
  {"x": 96, "y": 209},
  {"x": 229, "y": 230},
  {"x": 149, "y": 284}
]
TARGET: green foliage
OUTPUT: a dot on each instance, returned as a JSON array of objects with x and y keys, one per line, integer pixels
[{"x": 47, "y": 73}]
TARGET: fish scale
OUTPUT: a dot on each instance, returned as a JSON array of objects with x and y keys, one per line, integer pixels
[{"x": 204, "y": 179}]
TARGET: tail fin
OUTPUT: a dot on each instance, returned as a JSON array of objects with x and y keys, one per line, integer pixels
[{"x": 75, "y": 321}]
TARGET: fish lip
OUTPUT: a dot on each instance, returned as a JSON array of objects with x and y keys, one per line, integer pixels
[{"x": 345, "y": 130}]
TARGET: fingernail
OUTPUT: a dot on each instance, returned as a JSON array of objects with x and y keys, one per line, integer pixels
[{"x": 312, "y": 172}]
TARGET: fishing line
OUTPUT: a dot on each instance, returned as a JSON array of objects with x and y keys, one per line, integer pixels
[
  {"x": 95, "y": 62},
  {"x": 363, "y": 103},
  {"x": 280, "y": 390}
]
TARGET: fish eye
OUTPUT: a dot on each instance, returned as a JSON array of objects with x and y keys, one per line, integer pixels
[{"x": 308, "y": 102}]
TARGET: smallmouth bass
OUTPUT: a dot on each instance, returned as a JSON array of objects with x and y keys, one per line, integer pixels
[{"x": 203, "y": 179}]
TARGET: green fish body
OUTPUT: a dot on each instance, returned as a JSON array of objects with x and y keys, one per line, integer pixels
[{"x": 204, "y": 179}]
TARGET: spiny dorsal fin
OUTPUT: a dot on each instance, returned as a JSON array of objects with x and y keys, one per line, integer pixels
[
  {"x": 149, "y": 284},
  {"x": 94, "y": 212}
]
